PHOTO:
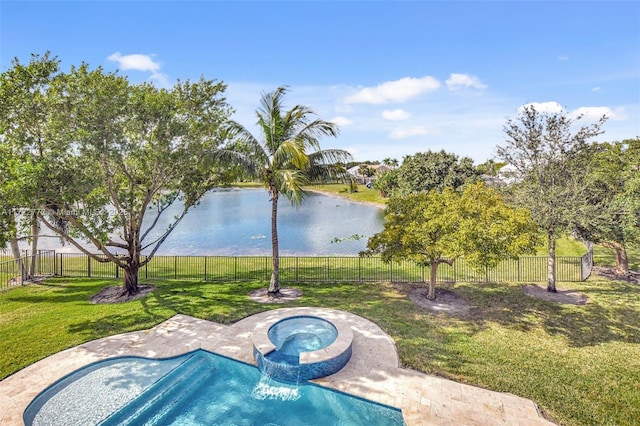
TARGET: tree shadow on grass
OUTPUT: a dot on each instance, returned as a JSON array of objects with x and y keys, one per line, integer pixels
[
  {"x": 224, "y": 303},
  {"x": 612, "y": 313},
  {"x": 58, "y": 291}
]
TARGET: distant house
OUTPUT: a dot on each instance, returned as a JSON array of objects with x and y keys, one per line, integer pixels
[
  {"x": 363, "y": 180},
  {"x": 492, "y": 181}
]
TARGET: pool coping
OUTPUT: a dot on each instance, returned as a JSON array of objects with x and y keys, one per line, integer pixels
[
  {"x": 339, "y": 346},
  {"x": 373, "y": 372}
]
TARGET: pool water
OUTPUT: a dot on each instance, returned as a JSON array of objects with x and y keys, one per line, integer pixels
[
  {"x": 294, "y": 335},
  {"x": 199, "y": 388}
]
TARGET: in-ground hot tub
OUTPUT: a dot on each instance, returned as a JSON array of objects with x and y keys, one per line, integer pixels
[{"x": 298, "y": 348}]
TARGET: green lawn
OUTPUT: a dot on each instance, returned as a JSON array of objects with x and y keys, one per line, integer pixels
[
  {"x": 363, "y": 194},
  {"x": 581, "y": 364}
]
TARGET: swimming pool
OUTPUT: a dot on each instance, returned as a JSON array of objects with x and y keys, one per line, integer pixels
[{"x": 198, "y": 388}]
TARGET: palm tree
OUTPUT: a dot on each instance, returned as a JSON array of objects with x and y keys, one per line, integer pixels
[
  {"x": 390, "y": 162},
  {"x": 285, "y": 158}
]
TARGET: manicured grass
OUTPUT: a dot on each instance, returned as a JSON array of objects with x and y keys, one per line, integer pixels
[
  {"x": 581, "y": 364},
  {"x": 565, "y": 246},
  {"x": 363, "y": 194}
]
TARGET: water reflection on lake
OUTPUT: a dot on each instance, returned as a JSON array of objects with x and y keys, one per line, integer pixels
[{"x": 238, "y": 222}]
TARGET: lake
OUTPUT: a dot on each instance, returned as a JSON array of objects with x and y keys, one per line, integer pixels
[{"x": 235, "y": 221}]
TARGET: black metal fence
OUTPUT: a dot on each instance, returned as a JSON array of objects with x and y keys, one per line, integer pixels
[
  {"x": 292, "y": 269},
  {"x": 325, "y": 269},
  {"x": 26, "y": 269}
]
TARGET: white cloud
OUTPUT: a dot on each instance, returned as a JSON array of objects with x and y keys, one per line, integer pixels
[
  {"x": 596, "y": 89},
  {"x": 544, "y": 107},
  {"x": 563, "y": 58},
  {"x": 394, "y": 91},
  {"x": 460, "y": 81},
  {"x": 138, "y": 62},
  {"x": 341, "y": 121},
  {"x": 161, "y": 79},
  {"x": 395, "y": 115},
  {"x": 135, "y": 62},
  {"x": 595, "y": 113},
  {"x": 587, "y": 113},
  {"x": 406, "y": 132}
]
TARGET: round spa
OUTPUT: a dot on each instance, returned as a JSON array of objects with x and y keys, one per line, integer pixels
[{"x": 298, "y": 348}]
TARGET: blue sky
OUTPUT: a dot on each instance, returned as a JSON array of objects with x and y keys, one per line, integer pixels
[{"x": 398, "y": 77}]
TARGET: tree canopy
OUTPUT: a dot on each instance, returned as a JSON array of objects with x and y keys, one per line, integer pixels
[
  {"x": 547, "y": 171},
  {"x": 29, "y": 150},
  {"x": 108, "y": 158},
  {"x": 612, "y": 214},
  {"x": 435, "y": 227},
  {"x": 429, "y": 170}
]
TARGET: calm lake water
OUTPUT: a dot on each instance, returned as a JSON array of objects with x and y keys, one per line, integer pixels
[{"x": 238, "y": 222}]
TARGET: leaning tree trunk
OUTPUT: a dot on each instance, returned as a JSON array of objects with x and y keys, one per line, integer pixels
[
  {"x": 15, "y": 250},
  {"x": 551, "y": 263},
  {"x": 274, "y": 284}
]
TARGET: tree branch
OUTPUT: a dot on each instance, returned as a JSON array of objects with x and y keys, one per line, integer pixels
[{"x": 75, "y": 222}]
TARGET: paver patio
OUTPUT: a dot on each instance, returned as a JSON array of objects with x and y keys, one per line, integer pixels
[{"x": 373, "y": 372}]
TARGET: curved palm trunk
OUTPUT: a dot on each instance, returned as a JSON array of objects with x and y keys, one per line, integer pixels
[{"x": 274, "y": 284}]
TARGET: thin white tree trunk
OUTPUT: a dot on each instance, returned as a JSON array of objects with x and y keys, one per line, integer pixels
[
  {"x": 551, "y": 263},
  {"x": 35, "y": 231}
]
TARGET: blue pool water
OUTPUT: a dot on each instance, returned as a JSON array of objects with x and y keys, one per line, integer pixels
[
  {"x": 199, "y": 388},
  {"x": 302, "y": 334}
]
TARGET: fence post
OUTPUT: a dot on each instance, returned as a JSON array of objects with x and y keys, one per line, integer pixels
[
  {"x": 23, "y": 269},
  {"x": 326, "y": 276},
  {"x": 89, "y": 266},
  {"x": 235, "y": 268},
  {"x": 205, "y": 268}
]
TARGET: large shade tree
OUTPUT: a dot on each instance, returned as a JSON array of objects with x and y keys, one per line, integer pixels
[
  {"x": 134, "y": 151},
  {"x": 431, "y": 228},
  {"x": 29, "y": 153},
  {"x": 429, "y": 170},
  {"x": 612, "y": 214},
  {"x": 284, "y": 157},
  {"x": 544, "y": 153}
]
